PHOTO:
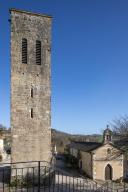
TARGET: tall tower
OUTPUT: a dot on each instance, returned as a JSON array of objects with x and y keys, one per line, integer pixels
[{"x": 30, "y": 86}]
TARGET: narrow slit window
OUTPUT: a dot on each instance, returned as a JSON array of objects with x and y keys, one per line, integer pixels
[
  {"x": 31, "y": 92},
  {"x": 38, "y": 52},
  {"x": 24, "y": 51},
  {"x": 31, "y": 113}
]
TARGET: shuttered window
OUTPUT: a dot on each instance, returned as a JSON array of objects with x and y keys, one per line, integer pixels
[
  {"x": 24, "y": 51},
  {"x": 38, "y": 52}
]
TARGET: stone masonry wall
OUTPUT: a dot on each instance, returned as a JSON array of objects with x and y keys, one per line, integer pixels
[
  {"x": 101, "y": 159},
  {"x": 31, "y": 137},
  {"x": 86, "y": 163}
]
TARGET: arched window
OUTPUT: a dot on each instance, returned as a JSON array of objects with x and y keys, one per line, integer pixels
[
  {"x": 108, "y": 137},
  {"x": 24, "y": 50},
  {"x": 38, "y": 52},
  {"x": 108, "y": 151}
]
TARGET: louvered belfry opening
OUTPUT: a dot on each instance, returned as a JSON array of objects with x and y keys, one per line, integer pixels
[
  {"x": 38, "y": 52},
  {"x": 24, "y": 50}
]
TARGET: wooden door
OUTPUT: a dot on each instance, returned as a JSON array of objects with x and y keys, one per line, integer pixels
[{"x": 108, "y": 172}]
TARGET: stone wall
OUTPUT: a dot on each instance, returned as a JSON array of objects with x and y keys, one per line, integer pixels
[
  {"x": 101, "y": 159},
  {"x": 74, "y": 152},
  {"x": 86, "y": 163},
  {"x": 31, "y": 137}
]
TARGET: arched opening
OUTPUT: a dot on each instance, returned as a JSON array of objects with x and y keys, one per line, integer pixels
[{"x": 108, "y": 172}]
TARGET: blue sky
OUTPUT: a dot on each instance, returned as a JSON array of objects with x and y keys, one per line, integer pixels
[{"x": 89, "y": 61}]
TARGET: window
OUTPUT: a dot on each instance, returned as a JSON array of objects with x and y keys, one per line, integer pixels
[
  {"x": 108, "y": 151},
  {"x": 108, "y": 137},
  {"x": 38, "y": 52},
  {"x": 31, "y": 113},
  {"x": 31, "y": 92},
  {"x": 24, "y": 51}
]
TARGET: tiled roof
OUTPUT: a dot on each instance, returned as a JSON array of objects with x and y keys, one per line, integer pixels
[
  {"x": 85, "y": 146},
  {"x": 90, "y": 146}
]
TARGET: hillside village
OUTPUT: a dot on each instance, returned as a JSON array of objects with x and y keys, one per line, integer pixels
[
  {"x": 76, "y": 150},
  {"x": 34, "y": 157}
]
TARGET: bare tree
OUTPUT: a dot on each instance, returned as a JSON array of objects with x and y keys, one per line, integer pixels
[{"x": 120, "y": 126}]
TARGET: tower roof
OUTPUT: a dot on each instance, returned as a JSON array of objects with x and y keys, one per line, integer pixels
[
  {"x": 107, "y": 130},
  {"x": 29, "y": 12}
]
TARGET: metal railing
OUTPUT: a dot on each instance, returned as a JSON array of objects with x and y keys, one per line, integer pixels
[
  {"x": 23, "y": 176},
  {"x": 39, "y": 176}
]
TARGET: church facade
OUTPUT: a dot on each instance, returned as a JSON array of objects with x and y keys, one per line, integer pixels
[
  {"x": 100, "y": 161},
  {"x": 107, "y": 163}
]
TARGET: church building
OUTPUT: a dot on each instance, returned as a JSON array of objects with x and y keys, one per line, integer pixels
[{"x": 100, "y": 161}]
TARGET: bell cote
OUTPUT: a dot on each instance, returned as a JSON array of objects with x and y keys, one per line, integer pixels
[{"x": 107, "y": 136}]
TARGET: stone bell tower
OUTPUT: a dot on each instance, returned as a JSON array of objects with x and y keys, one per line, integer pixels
[{"x": 30, "y": 86}]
